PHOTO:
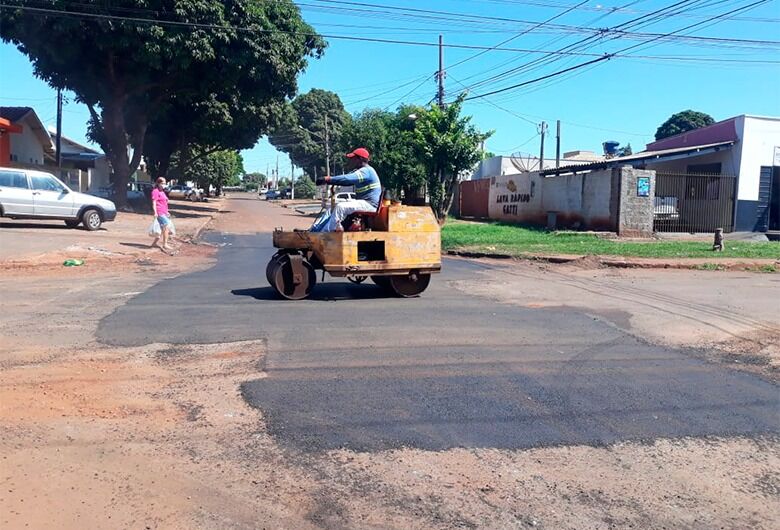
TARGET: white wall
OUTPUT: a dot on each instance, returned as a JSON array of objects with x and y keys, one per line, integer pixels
[
  {"x": 581, "y": 200},
  {"x": 26, "y": 148},
  {"x": 758, "y": 139}
]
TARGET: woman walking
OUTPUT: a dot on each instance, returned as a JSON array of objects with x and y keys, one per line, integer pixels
[{"x": 160, "y": 209}]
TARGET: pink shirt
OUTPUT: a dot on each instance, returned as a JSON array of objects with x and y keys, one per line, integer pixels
[{"x": 161, "y": 199}]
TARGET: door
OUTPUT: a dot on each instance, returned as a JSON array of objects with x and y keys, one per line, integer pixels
[
  {"x": 15, "y": 194},
  {"x": 774, "y": 200},
  {"x": 51, "y": 197}
]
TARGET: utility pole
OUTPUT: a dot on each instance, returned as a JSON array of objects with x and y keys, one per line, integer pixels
[
  {"x": 292, "y": 179},
  {"x": 327, "y": 148},
  {"x": 59, "y": 128},
  {"x": 557, "y": 144},
  {"x": 542, "y": 131},
  {"x": 440, "y": 74},
  {"x": 276, "y": 174}
]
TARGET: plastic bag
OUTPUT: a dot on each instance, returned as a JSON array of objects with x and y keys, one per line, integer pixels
[{"x": 155, "y": 230}]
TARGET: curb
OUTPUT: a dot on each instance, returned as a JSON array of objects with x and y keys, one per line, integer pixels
[
  {"x": 198, "y": 231},
  {"x": 718, "y": 263}
]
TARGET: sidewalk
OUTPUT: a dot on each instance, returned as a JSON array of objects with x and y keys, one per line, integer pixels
[{"x": 31, "y": 243}]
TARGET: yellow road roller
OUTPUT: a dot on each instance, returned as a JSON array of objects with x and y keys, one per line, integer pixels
[{"x": 398, "y": 247}]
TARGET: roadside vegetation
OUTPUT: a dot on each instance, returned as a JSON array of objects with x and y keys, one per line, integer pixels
[{"x": 515, "y": 240}]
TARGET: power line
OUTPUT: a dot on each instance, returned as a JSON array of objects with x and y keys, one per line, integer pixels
[
  {"x": 516, "y": 36},
  {"x": 104, "y": 16},
  {"x": 609, "y": 56}
]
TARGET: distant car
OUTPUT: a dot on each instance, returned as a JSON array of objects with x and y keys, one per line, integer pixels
[
  {"x": 345, "y": 196},
  {"x": 665, "y": 208},
  {"x": 179, "y": 192},
  {"x": 272, "y": 195},
  {"x": 28, "y": 194},
  {"x": 136, "y": 191}
]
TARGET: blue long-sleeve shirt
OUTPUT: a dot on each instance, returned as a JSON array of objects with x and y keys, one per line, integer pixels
[{"x": 366, "y": 182}]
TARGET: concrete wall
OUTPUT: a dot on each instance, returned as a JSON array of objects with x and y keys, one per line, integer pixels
[
  {"x": 600, "y": 200},
  {"x": 26, "y": 146},
  {"x": 635, "y": 214},
  {"x": 580, "y": 201}
]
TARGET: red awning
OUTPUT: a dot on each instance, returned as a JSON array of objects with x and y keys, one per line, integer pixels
[{"x": 7, "y": 126}]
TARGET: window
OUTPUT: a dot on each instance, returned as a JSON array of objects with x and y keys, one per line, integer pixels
[
  {"x": 13, "y": 179},
  {"x": 702, "y": 187},
  {"x": 45, "y": 183}
]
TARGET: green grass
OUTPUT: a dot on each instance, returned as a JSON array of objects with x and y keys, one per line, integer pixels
[{"x": 497, "y": 237}]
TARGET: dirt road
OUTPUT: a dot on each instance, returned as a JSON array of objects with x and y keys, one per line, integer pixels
[{"x": 159, "y": 433}]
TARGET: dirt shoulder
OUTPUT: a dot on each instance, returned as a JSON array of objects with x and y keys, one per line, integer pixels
[
  {"x": 43, "y": 244},
  {"x": 160, "y": 436}
]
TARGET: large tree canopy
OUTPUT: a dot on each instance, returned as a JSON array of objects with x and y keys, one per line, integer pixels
[
  {"x": 448, "y": 144},
  {"x": 301, "y": 131},
  {"x": 191, "y": 57},
  {"x": 681, "y": 122},
  {"x": 389, "y": 138},
  {"x": 415, "y": 148}
]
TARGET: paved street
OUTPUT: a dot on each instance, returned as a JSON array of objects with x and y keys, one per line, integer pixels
[
  {"x": 201, "y": 400},
  {"x": 353, "y": 368}
]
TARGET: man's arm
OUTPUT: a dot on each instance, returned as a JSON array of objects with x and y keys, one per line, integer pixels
[{"x": 350, "y": 179}]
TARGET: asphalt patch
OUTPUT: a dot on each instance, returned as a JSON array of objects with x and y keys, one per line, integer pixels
[{"x": 355, "y": 369}]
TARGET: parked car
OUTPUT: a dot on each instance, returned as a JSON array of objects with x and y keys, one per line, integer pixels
[
  {"x": 272, "y": 194},
  {"x": 136, "y": 191},
  {"x": 179, "y": 192},
  {"x": 28, "y": 194},
  {"x": 345, "y": 196}
]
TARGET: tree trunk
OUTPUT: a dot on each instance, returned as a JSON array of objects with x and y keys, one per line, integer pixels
[
  {"x": 117, "y": 140},
  {"x": 449, "y": 195}
]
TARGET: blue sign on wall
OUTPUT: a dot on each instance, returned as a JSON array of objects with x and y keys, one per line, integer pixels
[{"x": 643, "y": 187}]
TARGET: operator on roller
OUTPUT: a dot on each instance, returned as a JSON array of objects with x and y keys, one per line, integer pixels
[{"x": 368, "y": 189}]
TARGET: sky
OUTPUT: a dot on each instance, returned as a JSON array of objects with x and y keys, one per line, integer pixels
[{"x": 624, "y": 98}]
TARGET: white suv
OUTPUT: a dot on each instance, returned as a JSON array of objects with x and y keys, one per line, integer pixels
[{"x": 27, "y": 194}]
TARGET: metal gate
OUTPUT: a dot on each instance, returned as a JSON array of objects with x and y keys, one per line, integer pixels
[
  {"x": 474, "y": 197},
  {"x": 693, "y": 202}
]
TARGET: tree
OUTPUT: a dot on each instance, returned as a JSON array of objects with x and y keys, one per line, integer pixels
[
  {"x": 257, "y": 178},
  {"x": 389, "y": 137},
  {"x": 301, "y": 130},
  {"x": 447, "y": 144},
  {"x": 304, "y": 187},
  {"x": 625, "y": 151},
  {"x": 128, "y": 72},
  {"x": 681, "y": 122},
  {"x": 223, "y": 168}
]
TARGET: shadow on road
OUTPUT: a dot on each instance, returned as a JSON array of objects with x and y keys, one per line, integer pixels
[
  {"x": 136, "y": 245},
  {"x": 325, "y": 292},
  {"x": 47, "y": 226}
]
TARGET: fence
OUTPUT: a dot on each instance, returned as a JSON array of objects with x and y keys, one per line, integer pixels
[{"x": 693, "y": 202}]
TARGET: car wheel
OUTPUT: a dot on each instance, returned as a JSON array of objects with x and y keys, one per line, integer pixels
[
  {"x": 72, "y": 223},
  {"x": 92, "y": 220}
]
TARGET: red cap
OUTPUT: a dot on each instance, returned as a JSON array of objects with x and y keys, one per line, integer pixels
[{"x": 362, "y": 152}]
